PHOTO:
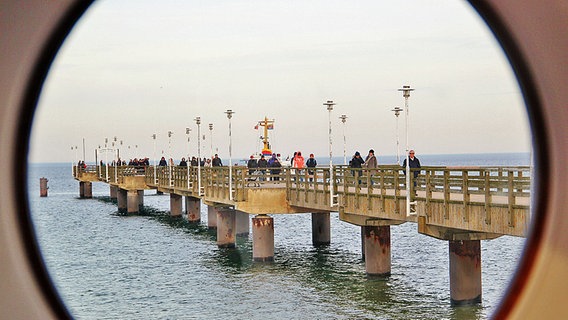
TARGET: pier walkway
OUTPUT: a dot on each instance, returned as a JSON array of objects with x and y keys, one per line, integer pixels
[{"x": 462, "y": 205}]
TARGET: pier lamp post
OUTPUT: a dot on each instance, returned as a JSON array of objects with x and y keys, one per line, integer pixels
[
  {"x": 330, "y": 105},
  {"x": 211, "y": 139},
  {"x": 343, "y": 119},
  {"x": 154, "y": 156},
  {"x": 84, "y": 156},
  {"x": 406, "y": 94},
  {"x": 112, "y": 144},
  {"x": 229, "y": 113},
  {"x": 106, "y": 159},
  {"x": 170, "y": 156},
  {"x": 188, "y": 132},
  {"x": 397, "y": 111},
  {"x": 198, "y": 122},
  {"x": 74, "y": 163}
]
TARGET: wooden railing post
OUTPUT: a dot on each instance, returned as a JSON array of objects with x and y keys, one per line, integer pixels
[
  {"x": 511, "y": 198},
  {"x": 466, "y": 196},
  {"x": 487, "y": 189},
  {"x": 446, "y": 193},
  {"x": 428, "y": 193}
]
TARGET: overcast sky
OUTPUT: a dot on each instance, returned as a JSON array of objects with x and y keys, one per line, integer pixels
[{"x": 134, "y": 68}]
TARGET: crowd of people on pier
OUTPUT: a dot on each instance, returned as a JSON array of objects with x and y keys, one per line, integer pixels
[{"x": 270, "y": 169}]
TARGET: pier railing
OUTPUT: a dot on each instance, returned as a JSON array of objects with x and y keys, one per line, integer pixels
[
  {"x": 469, "y": 184},
  {"x": 439, "y": 192}
]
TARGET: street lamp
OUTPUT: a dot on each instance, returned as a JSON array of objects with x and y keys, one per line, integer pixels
[
  {"x": 154, "y": 156},
  {"x": 170, "y": 156},
  {"x": 229, "y": 113},
  {"x": 75, "y": 162},
  {"x": 397, "y": 111},
  {"x": 211, "y": 139},
  {"x": 330, "y": 105},
  {"x": 406, "y": 94},
  {"x": 343, "y": 119},
  {"x": 198, "y": 122},
  {"x": 188, "y": 132}
]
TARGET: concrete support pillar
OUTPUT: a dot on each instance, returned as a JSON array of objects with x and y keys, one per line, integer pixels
[
  {"x": 88, "y": 190},
  {"x": 363, "y": 243},
  {"x": 263, "y": 238},
  {"x": 175, "y": 205},
  {"x": 211, "y": 217},
  {"x": 121, "y": 200},
  {"x": 377, "y": 250},
  {"x": 132, "y": 202},
  {"x": 321, "y": 229},
  {"x": 193, "y": 209},
  {"x": 43, "y": 187},
  {"x": 465, "y": 272},
  {"x": 113, "y": 192},
  {"x": 85, "y": 190},
  {"x": 81, "y": 189},
  {"x": 243, "y": 223},
  {"x": 226, "y": 223},
  {"x": 140, "y": 199}
]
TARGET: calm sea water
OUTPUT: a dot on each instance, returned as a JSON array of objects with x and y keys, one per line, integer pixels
[{"x": 110, "y": 266}]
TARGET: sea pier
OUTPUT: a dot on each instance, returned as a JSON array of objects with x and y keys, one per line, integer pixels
[{"x": 461, "y": 205}]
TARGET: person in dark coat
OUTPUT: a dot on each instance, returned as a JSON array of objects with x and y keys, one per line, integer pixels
[
  {"x": 262, "y": 165},
  {"x": 357, "y": 162},
  {"x": 275, "y": 169},
  {"x": 311, "y": 163},
  {"x": 413, "y": 163},
  {"x": 252, "y": 165},
  {"x": 217, "y": 161}
]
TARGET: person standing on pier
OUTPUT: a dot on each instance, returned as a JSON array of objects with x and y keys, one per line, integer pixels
[
  {"x": 413, "y": 162},
  {"x": 357, "y": 163},
  {"x": 311, "y": 163},
  {"x": 371, "y": 164},
  {"x": 183, "y": 163},
  {"x": 298, "y": 162},
  {"x": 252, "y": 165},
  {"x": 275, "y": 171},
  {"x": 262, "y": 165},
  {"x": 163, "y": 162},
  {"x": 217, "y": 161}
]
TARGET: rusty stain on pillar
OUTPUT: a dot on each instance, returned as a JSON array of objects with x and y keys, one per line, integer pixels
[
  {"x": 243, "y": 223},
  {"x": 43, "y": 187},
  {"x": 321, "y": 228},
  {"x": 113, "y": 192},
  {"x": 175, "y": 205},
  {"x": 211, "y": 217},
  {"x": 377, "y": 250},
  {"x": 363, "y": 243},
  {"x": 121, "y": 200},
  {"x": 132, "y": 205},
  {"x": 263, "y": 238},
  {"x": 465, "y": 272},
  {"x": 193, "y": 209},
  {"x": 140, "y": 199},
  {"x": 226, "y": 223}
]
